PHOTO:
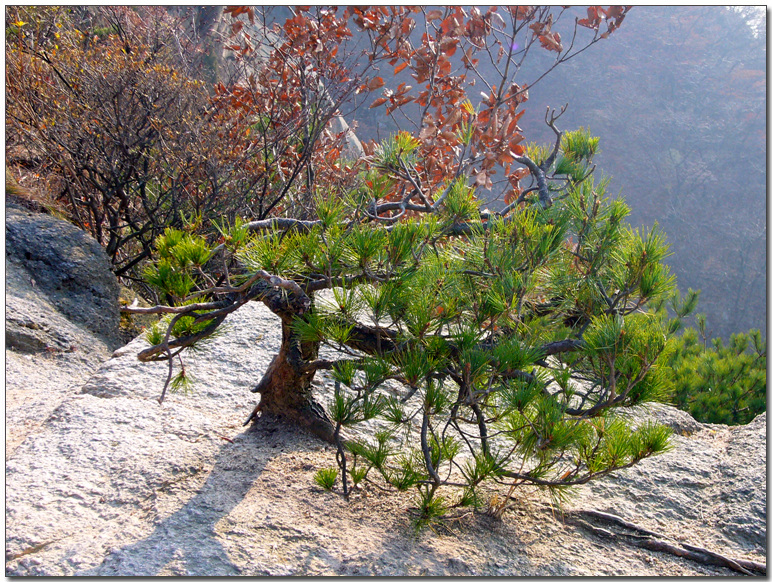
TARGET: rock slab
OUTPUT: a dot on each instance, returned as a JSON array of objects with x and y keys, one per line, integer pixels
[
  {"x": 113, "y": 484},
  {"x": 61, "y": 317}
]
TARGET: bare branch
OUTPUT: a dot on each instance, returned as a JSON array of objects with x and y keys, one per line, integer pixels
[{"x": 550, "y": 118}]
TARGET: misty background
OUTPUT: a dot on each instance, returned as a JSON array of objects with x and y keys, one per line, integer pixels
[{"x": 677, "y": 96}]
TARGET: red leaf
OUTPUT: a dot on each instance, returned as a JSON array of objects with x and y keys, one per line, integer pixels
[
  {"x": 522, "y": 12},
  {"x": 614, "y": 11},
  {"x": 375, "y": 83},
  {"x": 399, "y": 68},
  {"x": 448, "y": 46},
  {"x": 378, "y": 102},
  {"x": 551, "y": 42}
]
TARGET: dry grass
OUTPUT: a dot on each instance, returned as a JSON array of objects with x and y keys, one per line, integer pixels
[{"x": 33, "y": 191}]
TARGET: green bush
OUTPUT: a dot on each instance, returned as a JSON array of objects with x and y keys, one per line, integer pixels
[
  {"x": 325, "y": 478},
  {"x": 718, "y": 382}
]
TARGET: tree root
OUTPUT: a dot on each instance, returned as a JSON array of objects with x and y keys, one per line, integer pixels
[
  {"x": 31, "y": 550},
  {"x": 650, "y": 540}
]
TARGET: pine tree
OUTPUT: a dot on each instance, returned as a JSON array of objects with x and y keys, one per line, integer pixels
[
  {"x": 514, "y": 336},
  {"x": 511, "y": 336},
  {"x": 718, "y": 382}
]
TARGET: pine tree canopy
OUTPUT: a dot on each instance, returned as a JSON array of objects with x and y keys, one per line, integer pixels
[{"x": 498, "y": 347}]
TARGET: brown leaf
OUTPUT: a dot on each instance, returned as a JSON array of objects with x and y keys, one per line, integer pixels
[
  {"x": 427, "y": 132},
  {"x": 551, "y": 42},
  {"x": 614, "y": 11},
  {"x": 522, "y": 12},
  {"x": 375, "y": 83},
  {"x": 454, "y": 117},
  {"x": 378, "y": 102}
]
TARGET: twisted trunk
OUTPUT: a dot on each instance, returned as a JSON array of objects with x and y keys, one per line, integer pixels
[{"x": 285, "y": 389}]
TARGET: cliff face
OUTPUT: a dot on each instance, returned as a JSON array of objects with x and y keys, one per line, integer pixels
[{"x": 103, "y": 480}]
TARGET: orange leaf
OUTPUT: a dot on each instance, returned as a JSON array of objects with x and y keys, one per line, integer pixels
[
  {"x": 375, "y": 83},
  {"x": 399, "y": 68},
  {"x": 378, "y": 102},
  {"x": 551, "y": 41}
]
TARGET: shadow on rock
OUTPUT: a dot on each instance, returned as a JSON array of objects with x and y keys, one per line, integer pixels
[{"x": 186, "y": 542}]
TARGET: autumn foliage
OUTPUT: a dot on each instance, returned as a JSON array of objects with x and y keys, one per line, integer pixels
[
  {"x": 105, "y": 108},
  {"x": 110, "y": 100}
]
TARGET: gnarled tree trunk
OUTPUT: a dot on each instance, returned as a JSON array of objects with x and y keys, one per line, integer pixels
[{"x": 285, "y": 389}]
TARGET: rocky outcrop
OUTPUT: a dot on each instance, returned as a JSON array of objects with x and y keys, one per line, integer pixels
[
  {"x": 115, "y": 484},
  {"x": 352, "y": 150},
  {"x": 61, "y": 316},
  {"x": 52, "y": 264},
  {"x": 102, "y": 480}
]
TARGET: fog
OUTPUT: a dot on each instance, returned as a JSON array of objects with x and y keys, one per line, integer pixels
[{"x": 677, "y": 96}]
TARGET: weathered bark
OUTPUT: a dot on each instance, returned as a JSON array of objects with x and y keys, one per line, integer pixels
[{"x": 286, "y": 391}]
